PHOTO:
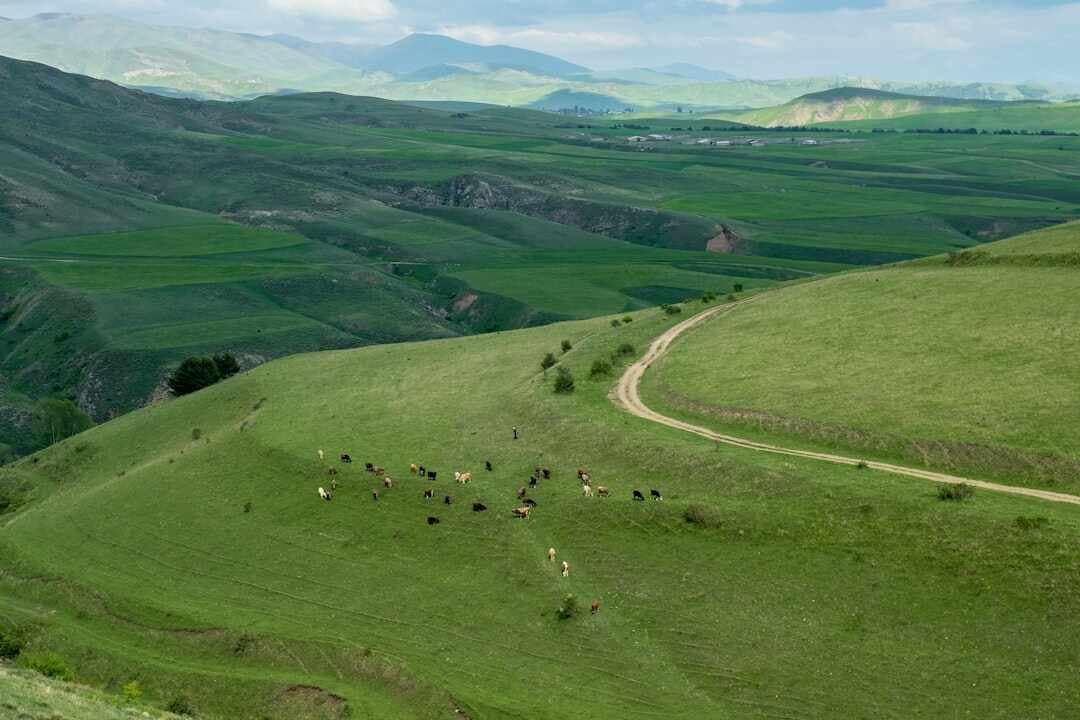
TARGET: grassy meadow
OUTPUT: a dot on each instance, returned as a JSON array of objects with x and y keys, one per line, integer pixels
[
  {"x": 961, "y": 363},
  {"x": 184, "y": 546}
]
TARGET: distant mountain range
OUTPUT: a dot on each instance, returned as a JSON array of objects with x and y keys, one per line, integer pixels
[{"x": 224, "y": 65}]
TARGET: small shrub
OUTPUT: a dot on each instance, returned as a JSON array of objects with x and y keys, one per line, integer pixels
[
  {"x": 564, "y": 381},
  {"x": 615, "y": 322},
  {"x": 180, "y": 705},
  {"x": 955, "y": 491},
  {"x": 195, "y": 373},
  {"x": 568, "y": 608},
  {"x": 862, "y": 465},
  {"x": 196, "y": 433},
  {"x": 624, "y": 350},
  {"x": 548, "y": 362},
  {"x": 738, "y": 287},
  {"x": 671, "y": 309},
  {"x": 702, "y": 515},
  {"x": 226, "y": 364},
  {"x": 48, "y": 664},
  {"x": 566, "y": 346},
  {"x": 247, "y": 506},
  {"x": 132, "y": 691},
  {"x": 627, "y": 319},
  {"x": 707, "y": 297},
  {"x": 600, "y": 368},
  {"x": 12, "y": 643},
  {"x": 1030, "y": 523}
]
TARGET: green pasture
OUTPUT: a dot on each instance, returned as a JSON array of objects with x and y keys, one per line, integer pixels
[{"x": 191, "y": 241}]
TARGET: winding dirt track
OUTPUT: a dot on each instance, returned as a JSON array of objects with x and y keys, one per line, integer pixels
[{"x": 627, "y": 397}]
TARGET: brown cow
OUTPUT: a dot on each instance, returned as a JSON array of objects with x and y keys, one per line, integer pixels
[
  {"x": 602, "y": 491},
  {"x": 429, "y": 493},
  {"x": 595, "y": 606},
  {"x": 331, "y": 471},
  {"x": 522, "y": 512},
  {"x": 413, "y": 468},
  {"x": 387, "y": 482},
  {"x": 522, "y": 492}
]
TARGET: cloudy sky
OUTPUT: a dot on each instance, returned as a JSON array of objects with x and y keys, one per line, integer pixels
[{"x": 1004, "y": 40}]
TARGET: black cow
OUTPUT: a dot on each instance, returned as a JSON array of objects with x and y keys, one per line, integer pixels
[
  {"x": 422, "y": 471},
  {"x": 487, "y": 466},
  {"x": 369, "y": 467},
  {"x": 638, "y": 495},
  {"x": 532, "y": 482},
  {"x": 529, "y": 502},
  {"x": 546, "y": 473},
  {"x": 656, "y": 495},
  {"x": 431, "y": 475},
  {"x": 432, "y": 520},
  {"x": 448, "y": 500},
  {"x": 346, "y": 458},
  {"x": 375, "y": 495},
  {"x": 479, "y": 507}
]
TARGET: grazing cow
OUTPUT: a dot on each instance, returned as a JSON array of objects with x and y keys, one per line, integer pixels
[
  {"x": 375, "y": 495},
  {"x": 586, "y": 490},
  {"x": 551, "y": 554},
  {"x": 346, "y": 458},
  {"x": 586, "y": 479},
  {"x": 522, "y": 512},
  {"x": 581, "y": 473},
  {"x": 421, "y": 471},
  {"x": 487, "y": 466},
  {"x": 656, "y": 495},
  {"x": 413, "y": 468},
  {"x": 432, "y": 520},
  {"x": 324, "y": 495},
  {"x": 565, "y": 569},
  {"x": 638, "y": 495},
  {"x": 429, "y": 493},
  {"x": 369, "y": 467},
  {"x": 465, "y": 478},
  {"x": 546, "y": 473},
  {"x": 448, "y": 500},
  {"x": 379, "y": 472},
  {"x": 431, "y": 475},
  {"x": 333, "y": 484},
  {"x": 387, "y": 482},
  {"x": 457, "y": 476},
  {"x": 331, "y": 471},
  {"x": 529, "y": 502},
  {"x": 322, "y": 456},
  {"x": 532, "y": 482},
  {"x": 522, "y": 492},
  {"x": 595, "y": 606},
  {"x": 479, "y": 507},
  {"x": 602, "y": 491}
]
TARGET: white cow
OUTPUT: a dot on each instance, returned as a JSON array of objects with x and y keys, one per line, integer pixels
[
  {"x": 324, "y": 495},
  {"x": 565, "y": 569},
  {"x": 551, "y": 554}
]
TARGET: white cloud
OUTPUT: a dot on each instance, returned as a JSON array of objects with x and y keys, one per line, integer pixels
[
  {"x": 541, "y": 38},
  {"x": 352, "y": 10},
  {"x": 767, "y": 41}
]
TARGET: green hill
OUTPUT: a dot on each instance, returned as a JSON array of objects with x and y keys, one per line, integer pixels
[
  {"x": 184, "y": 546},
  {"x": 27, "y": 695},
  {"x": 854, "y": 104},
  {"x": 959, "y": 363},
  {"x": 1021, "y": 117}
]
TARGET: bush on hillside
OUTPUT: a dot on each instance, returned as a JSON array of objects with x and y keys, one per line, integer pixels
[
  {"x": 624, "y": 350},
  {"x": 568, "y": 608},
  {"x": 12, "y": 642},
  {"x": 955, "y": 491},
  {"x": 548, "y": 362},
  {"x": 600, "y": 368},
  {"x": 132, "y": 691},
  {"x": 615, "y": 322},
  {"x": 564, "y": 381},
  {"x": 180, "y": 705},
  {"x": 55, "y": 419},
  {"x": 226, "y": 364},
  {"x": 671, "y": 309},
  {"x": 193, "y": 375},
  {"x": 48, "y": 664},
  {"x": 628, "y": 319},
  {"x": 702, "y": 516},
  {"x": 566, "y": 346},
  {"x": 738, "y": 287},
  {"x": 707, "y": 297}
]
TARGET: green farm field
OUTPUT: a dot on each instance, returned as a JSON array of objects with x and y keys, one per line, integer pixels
[
  {"x": 184, "y": 546},
  {"x": 959, "y": 363}
]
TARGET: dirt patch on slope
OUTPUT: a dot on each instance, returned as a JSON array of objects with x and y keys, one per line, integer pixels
[{"x": 726, "y": 241}]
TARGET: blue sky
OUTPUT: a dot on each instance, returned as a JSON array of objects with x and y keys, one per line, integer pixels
[{"x": 967, "y": 40}]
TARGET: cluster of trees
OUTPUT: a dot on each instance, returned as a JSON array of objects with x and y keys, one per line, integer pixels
[
  {"x": 976, "y": 131},
  {"x": 196, "y": 373}
]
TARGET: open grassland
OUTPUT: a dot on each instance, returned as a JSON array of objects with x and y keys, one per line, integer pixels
[
  {"x": 26, "y": 695},
  {"x": 187, "y": 241},
  {"x": 961, "y": 363},
  {"x": 184, "y": 546}
]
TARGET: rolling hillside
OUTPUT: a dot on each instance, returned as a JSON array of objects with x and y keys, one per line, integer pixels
[
  {"x": 184, "y": 546},
  {"x": 956, "y": 363},
  {"x": 850, "y": 104}
]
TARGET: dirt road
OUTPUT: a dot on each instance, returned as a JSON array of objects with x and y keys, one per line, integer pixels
[{"x": 627, "y": 397}]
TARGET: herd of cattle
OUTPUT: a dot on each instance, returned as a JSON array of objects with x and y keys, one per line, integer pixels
[{"x": 525, "y": 506}]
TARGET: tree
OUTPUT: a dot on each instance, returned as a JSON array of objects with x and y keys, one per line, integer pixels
[
  {"x": 738, "y": 287},
  {"x": 548, "y": 362},
  {"x": 57, "y": 418},
  {"x": 600, "y": 368},
  {"x": 226, "y": 364},
  {"x": 194, "y": 374},
  {"x": 564, "y": 381},
  {"x": 566, "y": 346}
]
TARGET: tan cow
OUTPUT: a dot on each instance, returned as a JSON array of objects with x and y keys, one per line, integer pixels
[
  {"x": 565, "y": 569},
  {"x": 413, "y": 468},
  {"x": 602, "y": 491},
  {"x": 586, "y": 490},
  {"x": 522, "y": 512},
  {"x": 551, "y": 554},
  {"x": 387, "y": 482}
]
